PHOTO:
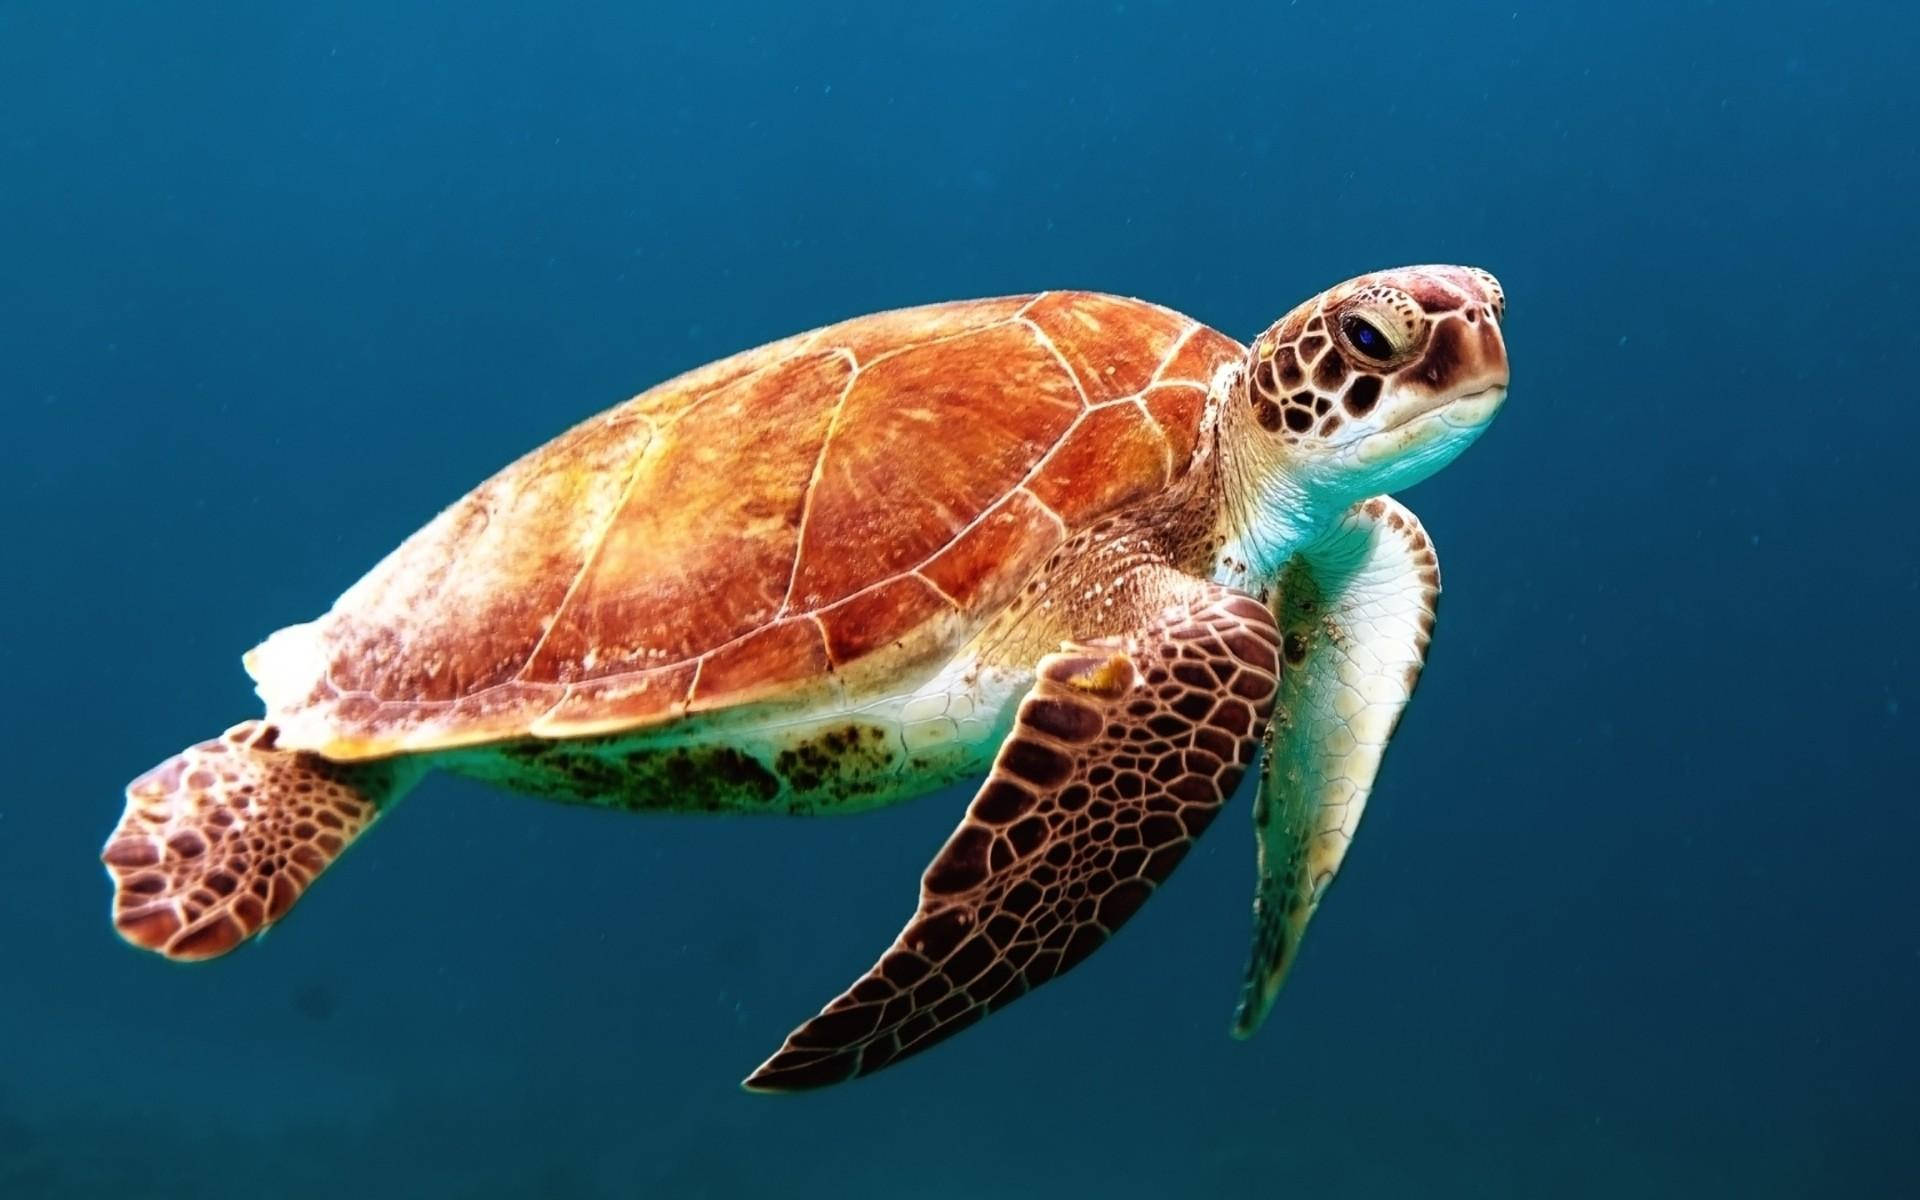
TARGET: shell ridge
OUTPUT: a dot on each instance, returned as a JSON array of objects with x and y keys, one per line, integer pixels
[
  {"x": 592, "y": 556},
  {"x": 1079, "y": 385},
  {"x": 940, "y": 340},
  {"x": 813, "y": 483},
  {"x": 1173, "y": 352}
]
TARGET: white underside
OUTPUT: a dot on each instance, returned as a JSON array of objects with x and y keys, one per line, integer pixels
[
  {"x": 845, "y": 757},
  {"x": 1357, "y": 632}
]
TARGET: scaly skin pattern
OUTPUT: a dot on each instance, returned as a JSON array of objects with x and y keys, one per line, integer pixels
[
  {"x": 1121, "y": 756},
  {"x": 1305, "y": 385},
  {"x": 1079, "y": 539},
  {"x": 218, "y": 842}
]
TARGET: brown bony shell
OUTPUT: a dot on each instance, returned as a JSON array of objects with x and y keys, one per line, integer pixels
[{"x": 815, "y": 514}]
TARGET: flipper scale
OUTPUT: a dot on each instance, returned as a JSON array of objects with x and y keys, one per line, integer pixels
[{"x": 1120, "y": 756}]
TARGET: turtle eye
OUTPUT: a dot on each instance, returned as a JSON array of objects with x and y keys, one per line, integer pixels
[{"x": 1365, "y": 337}]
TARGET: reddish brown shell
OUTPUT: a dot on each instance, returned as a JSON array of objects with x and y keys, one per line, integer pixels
[{"x": 810, "y": 515}]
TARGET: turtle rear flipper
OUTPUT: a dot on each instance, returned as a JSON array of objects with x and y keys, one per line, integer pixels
[{"x": 218, "y": 842}]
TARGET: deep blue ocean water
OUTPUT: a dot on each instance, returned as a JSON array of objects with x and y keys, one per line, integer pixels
[{"x": 1633, "y": 912}]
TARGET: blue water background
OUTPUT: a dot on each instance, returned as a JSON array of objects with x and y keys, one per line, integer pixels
[{"x": 1634, "y": 909}]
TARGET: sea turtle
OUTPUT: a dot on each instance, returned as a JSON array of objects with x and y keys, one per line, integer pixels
[{"x": 1085, "y": 544}]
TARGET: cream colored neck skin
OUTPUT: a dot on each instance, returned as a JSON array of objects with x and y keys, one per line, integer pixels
[
  {"x": 1274, "y": 505},
  {"x": 1281, "y": 500}
]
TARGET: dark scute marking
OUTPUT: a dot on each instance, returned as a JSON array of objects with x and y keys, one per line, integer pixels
[
  {"x": 1363, "y": 395},
  {"x": 1038, "y": 764},
  {"x": 962, "y": 864},
  {"x": 903, "y": 970},
  {"x": 1165, "y": 725},
  {"x": 1299, "y": 419},
  {"x": 1161, "y": 862},
  {"x": 1247, "y": 609},
  {"x": 1193, "y": 674},
  {"x": 1001, "y": 930},
  {"x": 1234, "y": 718},
  {"x": 934, "y": 937},
  {"x": 1027, "y": 836},
  {"x": 1194, "y": 705},
  {"x": 1044, "y": 966},
  {"x": 210, "y": 939},
  {"x": 941, "y": 1033},
  {"x": 1445, "y": 353},
  {"x": 1000, "y": 857},
  {"x": 1021, "y": 898},
  {"x": 1331, "y": 371},
  {"x": 1253, "y": 687},
  {"x": 916, "y": 1026},
  {"x": 1123, "y": 901},
  {"x": 1290, "y": 372},
  {"x": 1267, "y": 413},
  {"x": 1063, "y": 719},
  {"x": 1263, "y": 379},
  {"x": 836, "y": 1027},
  {"x": 282, "y": 895},
  {"x": 1159, "y": 828},
  {"x": 1001, "y": 801},
  {"x": 1310, "y": 346},
  {"x": 968, "y": 961},
  {"x": 1086, "y": 939},
  {"x": 1215, "y": 742},
  {"x": 1197, "y": 817},
  {"x": 1192, "y": 789},
  {"x": 989, "y": 982},
  {"x": 131, "y": 852},
  {"x": 1201, "y": 762}
]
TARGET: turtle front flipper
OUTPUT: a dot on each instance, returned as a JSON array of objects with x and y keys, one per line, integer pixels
[
  {"x": 1357, "y": 613},
  {"x": 1119, "y": 757},
  {"x": 218, "y": 842}
]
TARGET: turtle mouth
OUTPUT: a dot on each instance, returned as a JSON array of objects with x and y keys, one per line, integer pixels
[
  {"x": 1473, "y": 409},
  {"x": 1468, "y": 412},
  {"x": 1459, "y": 411}
]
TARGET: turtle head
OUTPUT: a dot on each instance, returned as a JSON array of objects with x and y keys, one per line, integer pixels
[{"x": 1368, "y": 387}]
